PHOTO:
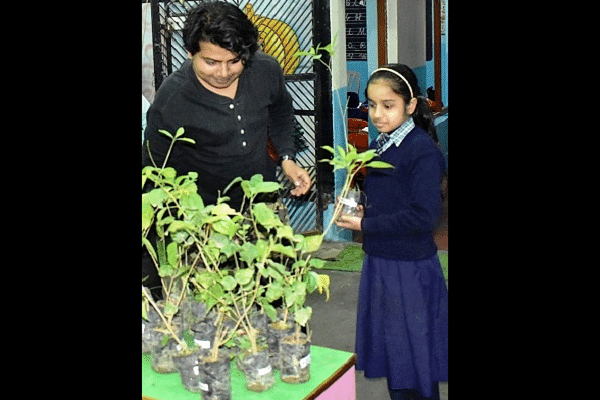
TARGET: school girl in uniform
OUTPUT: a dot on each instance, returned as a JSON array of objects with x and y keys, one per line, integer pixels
[{"x": 402, "y": 317}]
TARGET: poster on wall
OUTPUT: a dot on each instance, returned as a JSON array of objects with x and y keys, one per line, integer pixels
[{"x": 356, "y": 30}]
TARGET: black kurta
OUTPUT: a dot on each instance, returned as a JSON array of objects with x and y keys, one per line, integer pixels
[{"x": 230, "y": 134}]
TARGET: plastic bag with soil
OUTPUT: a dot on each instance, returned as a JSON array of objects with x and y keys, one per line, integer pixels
[
  {"x": 162, "y": 357},
  {"x": 193, "y": 311},
  {"x": 276, "y": 332},
  {"x": 189, "y": 370},
  {"x": 258, "y": 370},
  {"x": 204, "y": 333},
  {"x": 215, "y": 379},
  {"x": 150, "y": 337},
  {"x": 295, "y": 359}
]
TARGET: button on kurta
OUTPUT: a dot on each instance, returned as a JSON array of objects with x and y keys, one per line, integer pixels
[
  {"x": 242, "y": 131},
  {"x": 231, "y": 106},
  {"x": 244, "y": 143},
  {"x": 239, "y": 117}
]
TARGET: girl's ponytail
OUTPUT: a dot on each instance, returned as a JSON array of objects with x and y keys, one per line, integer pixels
[{"x": 423, "y": 116}]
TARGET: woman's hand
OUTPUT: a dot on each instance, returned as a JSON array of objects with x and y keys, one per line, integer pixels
[{"x": 298, "y": 176}]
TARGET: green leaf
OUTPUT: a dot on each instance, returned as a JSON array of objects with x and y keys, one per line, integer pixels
[
  {"x": 145, "y": 307},
  {"x": 303, "y": 315},
  {"x": 301, "y": 292},
  {"x": 285, "y": 231},
  {"x": 274, "y": 291},
  {"x": 180, "y": 237},
  {"x": 379, "y": 164},
  {"x": 296, "y": 294},
  {"x": 267, "y": 187},
  {"x": 312, "y": 243},
  {"x": 179, "y": 132},
  {"x": 225, "y": 226},
  {"x": 166, "y": 133},
  {"x": 192, "y": 201},
  {"x": 229, "y": 283},
  {"x": 366, "y": 156},
  {"x": 223, "y": 209},
  {"x": 206, "y": 279},
  {"x": 165, "y": 270},
  {"x": 276, "y": 270},
  {"x": 170, "y": 309},
  {"x": 329, "y": 149},
  {"x": 165, "y": 340},
  {"x": 249, "y": 253},
  {"x": 264, "y": 215},
  {"x": 311, "y": 281},
  {"x": 181, "y": 272},
  {"x": 323, "y": 282},
  {"x": 269, "y": 309},
  {"x": 147, "y": 215},
  {"x": 244, "y": 276},
  {"x": 169, "y": 173},
  {"x": 155, "y": 197},
  {"x": 180, "y": 225},
  {"x": 172, "y": 254},
  {"x": 149, "y": 247},
  {"x": 192, "y": 141},
  {"x": 316, "y": 263},
  {"x": 285, "y": 250}
]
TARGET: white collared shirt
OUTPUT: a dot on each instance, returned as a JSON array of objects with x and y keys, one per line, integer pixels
[{"x": 385, "y": 140}]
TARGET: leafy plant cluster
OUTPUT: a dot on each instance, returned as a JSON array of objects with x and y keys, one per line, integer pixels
[
  {"x": 231, "y": 261},
  {"x": 347, "y": 159}
]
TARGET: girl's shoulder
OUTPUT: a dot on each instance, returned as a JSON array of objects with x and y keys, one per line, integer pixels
[
  {"x": 416, "y": 143},
  {"x": 419, "y": 140}
]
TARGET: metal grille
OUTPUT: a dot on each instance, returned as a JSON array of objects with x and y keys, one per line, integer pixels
[{"x": 285, "y": 26}]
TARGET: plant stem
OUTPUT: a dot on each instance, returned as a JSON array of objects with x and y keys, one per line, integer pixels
[{"x": 148, "y": 296}]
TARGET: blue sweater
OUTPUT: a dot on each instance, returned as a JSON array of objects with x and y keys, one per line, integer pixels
[{"x": 403, "y": 204}]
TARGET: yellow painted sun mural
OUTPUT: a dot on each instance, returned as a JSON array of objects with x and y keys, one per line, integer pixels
[{"x": 277, "y": 38}]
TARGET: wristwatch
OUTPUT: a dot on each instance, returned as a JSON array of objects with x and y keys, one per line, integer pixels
[{"x": 286, "y": 157}]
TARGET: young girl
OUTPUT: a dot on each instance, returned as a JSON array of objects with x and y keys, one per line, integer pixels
[{"x": 402, "y": 318}]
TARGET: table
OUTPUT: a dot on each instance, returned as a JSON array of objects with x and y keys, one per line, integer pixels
[{"x": 331, "y": 377}]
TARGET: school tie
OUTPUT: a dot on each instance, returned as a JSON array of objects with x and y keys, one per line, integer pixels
[{"x": 382, "y": 139}]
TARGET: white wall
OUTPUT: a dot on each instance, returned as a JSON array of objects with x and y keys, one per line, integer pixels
[{"x": 408, "y": 31}]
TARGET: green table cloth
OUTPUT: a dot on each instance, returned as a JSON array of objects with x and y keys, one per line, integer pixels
[{"x": 326, "y": 365}]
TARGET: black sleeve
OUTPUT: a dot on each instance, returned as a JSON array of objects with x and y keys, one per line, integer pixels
[{"x": 281, "y": 117}]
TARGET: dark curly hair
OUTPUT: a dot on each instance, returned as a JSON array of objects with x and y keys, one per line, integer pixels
[{"x": 222, "y": 24}]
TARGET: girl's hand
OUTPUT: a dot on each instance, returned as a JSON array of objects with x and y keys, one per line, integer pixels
[{"x": 349, "y": 222}]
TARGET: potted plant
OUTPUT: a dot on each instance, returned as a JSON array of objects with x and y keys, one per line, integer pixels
[
  {"x": 159, "y": 208},
  {"x": 282, "y": 261},
  {"x": 213, "y": 230},
  {"x": 179, "y": 214},
  {"x": 294, "y": 347},
  {"x": 345, "y": 158},
  {"x": 221, "y": 270}
]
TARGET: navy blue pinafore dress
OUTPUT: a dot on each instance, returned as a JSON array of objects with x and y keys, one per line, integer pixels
[{"x": 402, "y": 323}]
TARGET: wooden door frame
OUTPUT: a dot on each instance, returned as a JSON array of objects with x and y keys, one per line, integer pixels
[{"x": 381, "y": 32}]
